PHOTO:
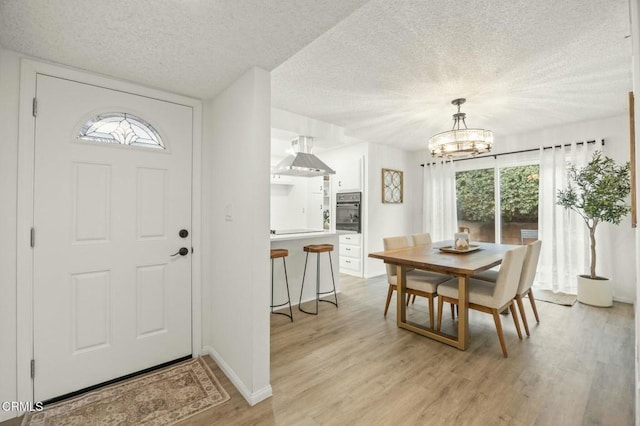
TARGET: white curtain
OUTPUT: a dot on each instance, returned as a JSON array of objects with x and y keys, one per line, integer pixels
[
  {"x": 439, "y": 200},
  {"x": 564, "y": 235}
]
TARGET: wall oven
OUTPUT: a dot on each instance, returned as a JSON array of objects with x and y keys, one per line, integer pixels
[{"x": 348, "y": 212}]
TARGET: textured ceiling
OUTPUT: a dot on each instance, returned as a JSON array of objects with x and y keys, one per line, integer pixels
[
  {"x": 385, "y": 70},
  {"x": 388, "y": 72},
  {"x": 192, "y": 47}
]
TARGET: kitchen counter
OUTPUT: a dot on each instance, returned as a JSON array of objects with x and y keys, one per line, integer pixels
[
  {"x": 295, "y": 269},
  {"x": 302, "y": 235}
]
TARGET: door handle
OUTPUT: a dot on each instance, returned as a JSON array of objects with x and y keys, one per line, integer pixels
[{"x": 182, "y": 252}]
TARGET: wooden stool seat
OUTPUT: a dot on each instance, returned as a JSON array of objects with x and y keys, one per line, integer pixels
[
  {"x": 277, "y": 253},
  {"x": 318, "y": 248}
]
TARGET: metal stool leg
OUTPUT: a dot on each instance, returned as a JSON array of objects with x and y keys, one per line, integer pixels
[
  {"x": 286, "y": 280},
  {"x": 290, "y": 314},
  {"x": 333, "y": 280},
  {"x": 304, "y": 274}
]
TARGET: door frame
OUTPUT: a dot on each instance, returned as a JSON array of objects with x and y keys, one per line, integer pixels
[{"x": 29, "y": 69}]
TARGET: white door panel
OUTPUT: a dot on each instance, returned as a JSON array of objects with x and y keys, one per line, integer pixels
[{"x": 109, "y": 299}]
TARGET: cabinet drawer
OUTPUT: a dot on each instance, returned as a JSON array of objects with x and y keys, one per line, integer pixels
[
  {"x": 350, "y": 264},
  {"x": 350, "y": 251},
  {"x": 353, "y": 239}
]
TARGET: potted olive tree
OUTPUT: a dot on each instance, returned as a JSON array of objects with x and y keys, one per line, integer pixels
[{"x": 598, "y": 193}]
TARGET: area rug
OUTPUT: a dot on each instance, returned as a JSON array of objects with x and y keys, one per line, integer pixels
[
  {"x": 557, "y": 298},
  {"x": 163, "y": 397}
]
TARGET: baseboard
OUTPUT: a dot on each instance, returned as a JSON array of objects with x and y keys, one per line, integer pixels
[
  {"x": 252, "y": 397},
  {"x": 623, "y": 300}
]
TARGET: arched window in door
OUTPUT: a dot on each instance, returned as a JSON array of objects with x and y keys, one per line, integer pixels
[{"x": 121, "y": 128}]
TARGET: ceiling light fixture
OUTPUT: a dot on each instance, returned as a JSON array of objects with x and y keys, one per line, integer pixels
[{"x": 460, "y": 142}]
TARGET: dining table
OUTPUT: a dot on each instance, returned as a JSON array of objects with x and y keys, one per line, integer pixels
[{"x": 441, "y": 257}]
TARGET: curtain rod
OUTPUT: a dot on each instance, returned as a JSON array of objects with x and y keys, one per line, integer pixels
[{"x": 519, "y": 152}]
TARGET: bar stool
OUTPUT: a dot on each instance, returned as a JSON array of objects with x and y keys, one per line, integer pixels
[
  {"x": 276, "y": 253},
  {"x": 318, "y": 248}
]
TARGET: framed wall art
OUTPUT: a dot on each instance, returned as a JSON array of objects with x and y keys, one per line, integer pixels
[{"x": 392, "y": 186}]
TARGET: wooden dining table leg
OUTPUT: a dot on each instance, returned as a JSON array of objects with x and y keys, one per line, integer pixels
[
  {"x": 401, "y": 290},
  {"x": 463, "y": 311}
]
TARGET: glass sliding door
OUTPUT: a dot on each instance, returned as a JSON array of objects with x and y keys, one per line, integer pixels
[
  {"x": 519, "y": 204},
  {"x": 475, "y": 192},
  {"x": 499, "y": 204}
]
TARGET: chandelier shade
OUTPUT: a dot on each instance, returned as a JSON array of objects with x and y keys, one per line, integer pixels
[{"x": 459, "y": 142}]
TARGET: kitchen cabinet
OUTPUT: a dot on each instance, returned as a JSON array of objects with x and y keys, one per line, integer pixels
[
  {"x": 314, "y": 210},
  {"x": 348, "y": 175},
  {"x": 315, "y": 206},
  {"x": 351, "y": 254},
  {"x": 281, "y": 180}
]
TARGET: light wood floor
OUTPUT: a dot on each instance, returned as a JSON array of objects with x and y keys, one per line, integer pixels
[{"x": 352, "y": 366}]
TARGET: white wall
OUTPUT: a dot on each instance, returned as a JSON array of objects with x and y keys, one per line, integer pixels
[
  {"x": 9, "y": 95},
  {"x": 388, "y": 220},
  {"x": 236, "y": 145}
]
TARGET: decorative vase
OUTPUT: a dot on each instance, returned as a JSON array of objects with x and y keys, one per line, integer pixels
[{"x": 595, "y": 292}]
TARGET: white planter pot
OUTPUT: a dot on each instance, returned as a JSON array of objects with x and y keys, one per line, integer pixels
[{"x": 595, "y": 292}]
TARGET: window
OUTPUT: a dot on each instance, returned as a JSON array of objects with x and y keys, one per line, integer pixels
[
  {"x": 499, "y": 204},
  {"x": 476, "y": 203},
  {"x": 121, "y": 128},
  {"x": 519, "y": 204}
]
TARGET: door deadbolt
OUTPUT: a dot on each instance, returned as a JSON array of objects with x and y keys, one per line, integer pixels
[
  {"x": 183, "y": 233},
  {"x": 182, "y": 252}
]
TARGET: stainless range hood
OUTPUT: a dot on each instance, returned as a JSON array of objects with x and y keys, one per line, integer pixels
[{"x": 303, "y": 162}]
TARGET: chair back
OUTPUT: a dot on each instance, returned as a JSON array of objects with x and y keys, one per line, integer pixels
[
  {"x": 421, "y": 239},
  {"x": 530, "y": 266},
  {"x": 393, "y": 243},
  {"x": 509, "y": 276}
]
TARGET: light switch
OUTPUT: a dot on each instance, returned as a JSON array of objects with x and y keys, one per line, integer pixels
[{"x": 228, "y": 210}]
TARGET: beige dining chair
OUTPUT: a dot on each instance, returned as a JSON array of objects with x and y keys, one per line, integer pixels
[
  {"x": 419, "y": 283},
  {"x": 526, "y": 281},
  {"x": 421, "y": 239},
  {"x": 489, "y": 297}
]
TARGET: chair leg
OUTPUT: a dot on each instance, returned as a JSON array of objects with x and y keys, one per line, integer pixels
[
  {"x": 453, "y": 315},
  {"x": 440, "y": 305},
  {"x": 514, "y": 314},
  {"x": 496, "y": 319},
  {"x": 389, "y": 293},
  {"x": 522, "y": 314},
  {"x": 533, "y": 305},
  {"x": 430, "y": 310},
  {"x": 414, "y": 299},
  {"x": 409, "y": 298}
]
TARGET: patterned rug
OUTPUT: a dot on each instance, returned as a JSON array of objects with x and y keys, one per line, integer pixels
[
  {"x": 557, "y": 298},
  {"x": 163, "y": 397}
]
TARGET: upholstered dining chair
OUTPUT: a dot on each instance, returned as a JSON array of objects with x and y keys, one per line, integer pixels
[
  {"x": 489, "y": 297},
  {"x": 421, "y": 239},
  {"x": 526, "y": 281},
  {"x": 419, "y": 283}
]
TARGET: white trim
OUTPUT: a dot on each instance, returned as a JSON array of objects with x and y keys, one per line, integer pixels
[
  {"x": 252, "y": 397},
  {"x": 26, "y": 154}
]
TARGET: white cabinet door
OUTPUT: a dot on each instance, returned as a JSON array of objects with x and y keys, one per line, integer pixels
[
  {"x": 349, "y": 175},
  {"x": 314, "y": 210}
]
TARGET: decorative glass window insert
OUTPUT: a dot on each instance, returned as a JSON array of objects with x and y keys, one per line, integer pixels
[{"x": 121, "y": 128}]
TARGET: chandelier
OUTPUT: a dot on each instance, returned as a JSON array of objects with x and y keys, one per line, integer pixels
[{"x": 460, "y": 142}]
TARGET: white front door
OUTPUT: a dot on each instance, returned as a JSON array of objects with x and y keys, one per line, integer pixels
[{"x": 109, "y": 298}]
